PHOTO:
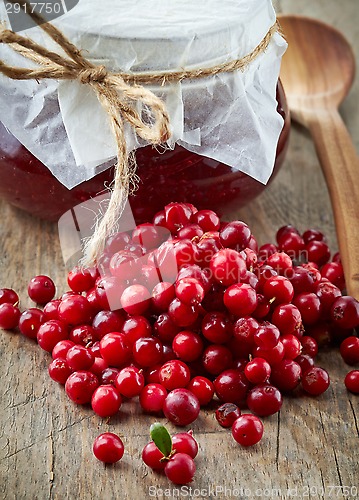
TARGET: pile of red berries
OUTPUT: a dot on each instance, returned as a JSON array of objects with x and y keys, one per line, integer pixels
[{"x": 188, "y": 308}]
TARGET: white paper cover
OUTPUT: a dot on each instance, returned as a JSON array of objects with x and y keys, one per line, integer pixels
[{"x": 229, "y": 117}]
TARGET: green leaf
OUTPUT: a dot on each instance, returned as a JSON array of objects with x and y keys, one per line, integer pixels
[{"x": 162, "y": 438}]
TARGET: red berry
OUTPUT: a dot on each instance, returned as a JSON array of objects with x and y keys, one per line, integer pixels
[
  {"x": 75, "y": 310},
  {"x": 79, "y": 358},
  {"x": 41, "y": 289},
  {"x": 231, "y": 386},
  {"x": 51, "y": 309},
  {"x": 130, "y": 381},
  {"x": 349, "y": 349},
  {"x": 345, "y": 312},
  {"x": 108, "y": 376},
  {"x": 352, "y": 381},
  {"x": 286, "y": 375},
  {"x": 288, "y": 319},
  {"x": 207, "y": 220},
  {"x": 30, "y": 321},
  {"x": 81, "y": 279},
  {"x": 107, "y": 322},
  {"x": 227, "y": 267},
  {"x": 174, "y": 374},
  {"x": 135, "y": 299},
  {"x": 184, "y": 442},
  {"x": 136, "y": 327},
  {"x": 216, "y": 358},
  {"x": 236, "y": 235},
  {"x": 227, "y": 414},
  {"x": 181, "y": 314},
  {"x": 279, "y": 290},
  {"x": 61, "y": 348},
  {"x": 108, "y": 448},
  {"x": 257, "y": 371},
  {"x": 292, "y": 346},
  {"x": 273, "y": 356},
  {"x": 180, "y": 469},
  {"x": 281, "y": 262},
  {"x": 115, "y": 350},
  {"x": 59, "y": 370},
  {"x": 309, "y": 346},
  {"x": 247, "y": 430},
  {"x": 162, "y": 295},
  {"x": 313, "y": 235},
  {"x": 334, "y": 272},
  {"x": 165, "y": 329},
  {"x": 240, "y": 299},
  {"x": 152, "y": 456},
  {"x": 264, "y": 400},
  {"x": 9, "y": 316},
  {"x": 147, "y": 351},
  {"x": 152, "y": 398},
  {"x": 8, "y": 296},
  {"x": 315, "y": 381},
  {"x": 189, "y": 291},
  {"x": 217, "y": 327},
  {"x": 50, "y": 333},
  {"x": 267, "y": 336},
  {"x": 203, "y": 388},
  {"x": 177, "y": 215},
  {"x": 106, "y": 401},
  {"x": 309, "y": 307},
  {"x": 292, "y": 244},
  {"x": 80, "y": 386},
  {"x": 181, "y": 407},
  {"x": 318, "y": 252},
  {"x": 83, "y": 335},
  {"x": 187, "y": 346}
]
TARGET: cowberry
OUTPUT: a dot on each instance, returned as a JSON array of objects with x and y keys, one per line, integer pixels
[
  {"x": 106, "y": 401},
  {"x": 130, "y": 382},
  {"x": 264, "y": 400},
  {"x": 135, "y": 299},
  {"x": 203, "y": 388},
  {"x": 257, "y": 371},
  {"x": 182, "y": 314},
  {"x": 41, "y": 289},
  {"x": 80, "y": 279},
  {"x": 152, "y": 457},
  {"x": 345, "y": 312},
  {"x": 8, "y": 296},
  {"x": 315, "y": 381},
  {"x": 80, "y": 386},
  {"x": 187, "y": 346},
  {"x": 152, "y": 398},
  {"x": 216, "y": 358},
  {"x": 286, "y": 375},
  {"x": 184, "y": 442},
  {"x": 181, "y": 407},
  {"x": 174, "y": 374},
  {"x": 30, "y": 321},
  {"x": 240, "y": 299},
  {"x": 231, "y": 386},
  {"x": 108, "y": 448},
  {"x": 352, "y": 381},
  {"x": 227, "y": 267},
  {"x": 59, "y": 370},
  {"x": 180, "y": 469},
  {"x": 115, "y": 350},
  {"x": 227, "y": 414},
  {"x": 75, "y": 310},
  {"x": 349, "y": 350},
  {"x": 189, "y": 291},
  {"x": 9, "y": 316},
  {"x": 147, "y": 351},
  {"x": 217, "y": 327},
  {"x": 50, "y": 333},
  {"x": 247, "y": 430},
  {"x": 79, "y": 358}
]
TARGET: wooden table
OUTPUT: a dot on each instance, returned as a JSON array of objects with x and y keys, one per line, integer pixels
[{"x": 310, "y": 447}]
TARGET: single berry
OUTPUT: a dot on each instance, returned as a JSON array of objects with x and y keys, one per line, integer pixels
[
  {"x": 203, "y": 388},
  {"x": 264, "y": 400},
  {"x": 80, "y": 386},
  {"x": 227, "y": 414},
  {"x": 30, "y": 321},
  {"x": 108, "y": 448},
  {"x": 174, "y": 374},
  {"x": 181, "y": 407},
  {"x": 8, "y": 296},
  {"x": 147, "y": 351},
  {"x": 152, "y": 398},
  {"x": 79, "y": 358},
  {"x": 106, "y": 401},
  {"x": 352, "y": 381},
  {"x": 41, "y": 289},
  {"x": 349, "y": 350},
  {"x": 50, "y": 333},
  {"x": 315, "y": 381},
  {"x": 152, "y": 457},
  {"x": 184, "y": 442},
  {"x": 130, "y": 382},
  {"x": 180, "y": 469},
  {"x": 59, "y": 370},
  {"x": 9, "y": 316},
  {"x": 257, "y": 371},
  {"x": 247, "y": 430},
  {"x": 187, "y": 346}
]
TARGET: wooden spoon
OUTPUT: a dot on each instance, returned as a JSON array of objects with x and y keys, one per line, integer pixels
[{"x": 317, "y": 72}]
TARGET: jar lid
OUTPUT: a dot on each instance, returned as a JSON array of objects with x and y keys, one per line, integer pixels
[
  {"x": 229, "y": 117},
  {"x": 153, "y": 35}
]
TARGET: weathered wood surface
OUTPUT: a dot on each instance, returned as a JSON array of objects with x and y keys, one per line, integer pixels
[{"x": 45, "y": 441}]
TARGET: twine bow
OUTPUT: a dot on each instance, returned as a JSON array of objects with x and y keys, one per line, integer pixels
[{"x": 119, "y": 95}]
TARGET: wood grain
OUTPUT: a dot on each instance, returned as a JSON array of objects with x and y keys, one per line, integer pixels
[{"x": 45, "y": 441}]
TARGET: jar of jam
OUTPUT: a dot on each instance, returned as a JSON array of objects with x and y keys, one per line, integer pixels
[{"x": 178, "y": 173}]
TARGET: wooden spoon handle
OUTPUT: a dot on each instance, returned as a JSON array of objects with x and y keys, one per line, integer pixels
[{"x": 340, "y": 165}]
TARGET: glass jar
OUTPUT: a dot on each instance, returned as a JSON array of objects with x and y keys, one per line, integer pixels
[{"x": 175, "y": 175}]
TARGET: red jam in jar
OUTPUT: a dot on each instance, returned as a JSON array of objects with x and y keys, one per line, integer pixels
[{"x": 176, "y": 175}]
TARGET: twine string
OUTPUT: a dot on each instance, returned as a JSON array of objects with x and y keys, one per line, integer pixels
[{"x": 119, "y": 95}]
